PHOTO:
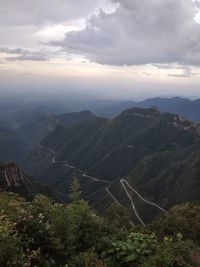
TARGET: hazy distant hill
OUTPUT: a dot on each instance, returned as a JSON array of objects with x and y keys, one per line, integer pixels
[
  {"x": 183, "y": 106},
  {"x": 35, "y": 127},
  {"x": 12, "y": 148},
  {"x": 73, "y": 118},
  {"x": 157, "y": 152}
]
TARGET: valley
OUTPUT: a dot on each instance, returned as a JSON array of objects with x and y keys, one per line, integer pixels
[
  {"x": 135, "y": 176},
  {"x": 123, "y": 182},
  {"x": 128, "y": 160}
]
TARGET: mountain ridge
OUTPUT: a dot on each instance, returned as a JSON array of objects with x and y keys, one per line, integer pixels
[
  {"x": 111, "y": 150},
  {"x": 189, "y": 109}
]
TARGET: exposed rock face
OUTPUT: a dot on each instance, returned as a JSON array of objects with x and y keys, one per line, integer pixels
[
  {"x": 181, "y": 123},
  {"x": 10, "y": 176}
]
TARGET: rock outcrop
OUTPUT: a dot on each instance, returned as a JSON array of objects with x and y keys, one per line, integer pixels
[{"x": 10, "y": 176}]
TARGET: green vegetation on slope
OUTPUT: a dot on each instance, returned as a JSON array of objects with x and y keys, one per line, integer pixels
[
  {"x": 37, "y": 125},
  {"x": 43, "y": 233},
  {"x": 158, "y": 153}
]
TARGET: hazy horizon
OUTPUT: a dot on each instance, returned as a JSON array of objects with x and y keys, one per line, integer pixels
[{"x": 109, "y": 49}]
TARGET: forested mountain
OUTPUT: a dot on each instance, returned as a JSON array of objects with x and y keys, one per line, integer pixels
[
  {"x": 32, "y": 124},
  {"x": 153, "y": 150},
  {"x": 74, "y": 118},
  {"x": 132, "y": 168},
  {"x": 190, "y": 109},
  {"x": 36, "y": 126}
]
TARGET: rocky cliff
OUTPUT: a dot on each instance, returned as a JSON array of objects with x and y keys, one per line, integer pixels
[{"x": 10, "y": 176}]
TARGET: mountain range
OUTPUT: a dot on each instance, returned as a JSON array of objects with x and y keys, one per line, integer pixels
[
  {"x": 157, "y": 154},
  {"x": 31, "y": 126},
  {"x": 189, "y": 109},
  {"x": 148, "y": 152},
  {"x": 36, "y": 126}
]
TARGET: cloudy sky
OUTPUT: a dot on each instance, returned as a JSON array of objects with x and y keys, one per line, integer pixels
[{"x": 117, "y": 48}]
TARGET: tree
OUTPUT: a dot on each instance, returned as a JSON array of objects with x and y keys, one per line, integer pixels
[
  {"x": 75, "y": 194},
  {"x": 119, "y": 216}
]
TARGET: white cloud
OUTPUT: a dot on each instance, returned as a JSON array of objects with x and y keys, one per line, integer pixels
[
  {"x": 184, "y": 74},
  {"x": 39, "y": 12},
  {"x": 140, "y": 32},
  {"x": 27, "y": 24}
]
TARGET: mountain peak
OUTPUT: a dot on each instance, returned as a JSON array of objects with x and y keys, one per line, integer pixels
[{"x": 142, "y": 112}]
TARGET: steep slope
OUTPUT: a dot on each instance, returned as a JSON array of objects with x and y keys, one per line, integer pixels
[
  {"x": 13, "y": 179},
  {"x": 88, "y": 144},
  {"x": 180, "y": 179},
  {"x": 36, "y": 126},
  {"x": 112, "y": 149},
  {"x": 40, "y": 162},
  {"x": 166, "y": 178},
  {"x": 71, "y": 143},
  {"x": 12, "y": 148},
  {"x": 154, "y": 151}
]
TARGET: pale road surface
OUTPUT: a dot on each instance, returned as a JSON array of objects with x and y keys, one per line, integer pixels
[
  {"x": 123, "y": 183},
  {"x": 84, "y": 173},
  {"x": 132, "y": 203},
  {"x": 113, "y": 197},
  {"x": 145, "y": 200}
]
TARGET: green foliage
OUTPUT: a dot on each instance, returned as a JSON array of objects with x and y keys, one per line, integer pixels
[
  {"x": 43, "y": 233},
  {"x": 75, "y": 190},
  {"x": 119, "y": 216},
  {"x": 10, "y": 252},
  {"x": 87, "y": 259},
  {"x": 133, "y": 250},
  {"x": 182, "y": 218},
  {"x": 174, "y": 253}
]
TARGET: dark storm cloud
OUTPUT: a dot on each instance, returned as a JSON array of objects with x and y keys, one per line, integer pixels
[{"x": 140, "y": 32}]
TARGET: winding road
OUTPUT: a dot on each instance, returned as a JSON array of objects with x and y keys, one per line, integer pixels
[
  {"x": 124, "y": 183},
  {"x": 84, "y": 173},
  {"x": 113, "y": 197},
  {"x": 132, "y": 203}
]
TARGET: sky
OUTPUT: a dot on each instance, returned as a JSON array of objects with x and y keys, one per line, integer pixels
[{"x": 120, "y": 49}]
